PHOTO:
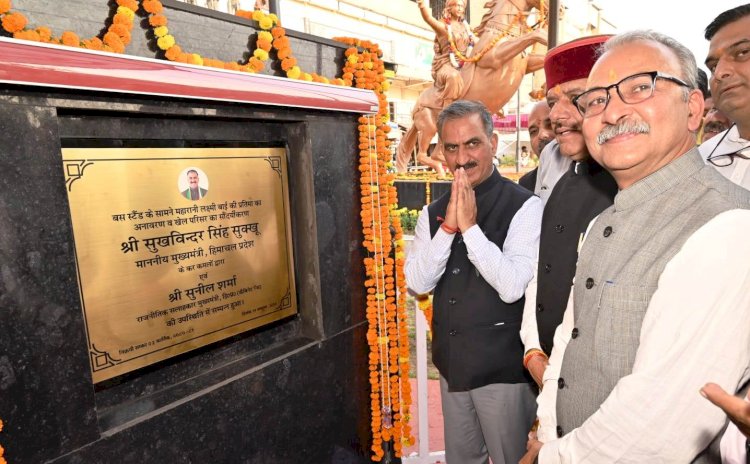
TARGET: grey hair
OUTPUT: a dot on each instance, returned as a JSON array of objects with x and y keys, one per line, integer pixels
[
  {"x": 686, "y": 59},
  {"x": 462, "y": 108}
]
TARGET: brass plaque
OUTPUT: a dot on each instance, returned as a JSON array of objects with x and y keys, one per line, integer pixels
[{"x": 177, "y": 248}]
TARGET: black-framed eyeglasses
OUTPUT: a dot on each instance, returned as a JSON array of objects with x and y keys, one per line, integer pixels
[
  {"x": 726, "y": 159},
  {"x": 632, "y": 89}
]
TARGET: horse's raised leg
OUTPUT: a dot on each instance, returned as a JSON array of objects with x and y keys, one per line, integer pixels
[{"x": 423, "y": 142}]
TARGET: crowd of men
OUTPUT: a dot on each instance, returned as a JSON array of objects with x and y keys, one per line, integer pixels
[{"x": 615, "y": 280}]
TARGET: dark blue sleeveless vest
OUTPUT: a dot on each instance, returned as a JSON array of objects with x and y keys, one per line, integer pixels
[{"x": 476, "y": 338}]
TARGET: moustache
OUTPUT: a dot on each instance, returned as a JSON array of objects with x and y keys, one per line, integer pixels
[
  {"x": 469, "y": 165},
  {"x": 624, "y": 127}
]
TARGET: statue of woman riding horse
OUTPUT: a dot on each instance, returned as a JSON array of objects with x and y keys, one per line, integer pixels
[{"x": 488, "y": 70}]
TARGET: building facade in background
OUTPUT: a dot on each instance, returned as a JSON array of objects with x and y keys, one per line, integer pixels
[{"x": 406, "y": 41}]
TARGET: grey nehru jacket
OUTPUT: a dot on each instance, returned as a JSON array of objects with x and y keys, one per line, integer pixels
[{"x": 619, "y": 266}]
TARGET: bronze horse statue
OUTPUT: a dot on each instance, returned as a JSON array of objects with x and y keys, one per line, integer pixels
[{"x": 492, "y": 79}]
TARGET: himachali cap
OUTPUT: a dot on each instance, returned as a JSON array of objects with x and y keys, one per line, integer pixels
[{"x": 572, "y": 60}]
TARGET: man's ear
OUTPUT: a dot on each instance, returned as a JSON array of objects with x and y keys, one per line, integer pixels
[{"x": 695, "y": 110}]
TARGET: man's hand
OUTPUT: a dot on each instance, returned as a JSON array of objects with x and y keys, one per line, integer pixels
[
  {"x": 450, "y": 214},
  {"x": 536, "y": 366},
  {"x": 737, "y": 409},
  {"x": 532, "y": 451},
  {"x": 466, "y": 206}
]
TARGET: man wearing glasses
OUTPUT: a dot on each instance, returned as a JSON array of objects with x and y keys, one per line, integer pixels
[
  {"x": 661, "y": 300},
  {"x": 729, "y": 62}
]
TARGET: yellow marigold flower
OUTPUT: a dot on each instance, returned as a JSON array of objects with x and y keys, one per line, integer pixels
[
  {"x": 273, "y": 18},
  {"x": 352, "y": 58},
  {"x": 265, "y": 35},
  {"x": 126, "y": 11},
  {"x": 261, "y": 54},
  {"x": 166, "y": 42},
  {"x": 307, "y": 77},
  {"x": 4, "y": 6},
  {"x": 294, "y": 72},
  {"x": 195, "y": 58},
  {"x": 161, "y": 31},
  {"x": 258, "y": 15},
  {"x": 385, "y": 86},
  {"x": 265, "y": 23}
]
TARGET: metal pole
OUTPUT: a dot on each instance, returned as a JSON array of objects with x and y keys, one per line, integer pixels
[
  {"x": 273, "y": 7},
  {"x": 518, "y": 129},
  {"x": 554, "y": 10}
]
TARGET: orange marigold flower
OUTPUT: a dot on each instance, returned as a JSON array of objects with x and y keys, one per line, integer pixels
[
  {"x": 14, "y": 22},
  {"x": 288, "y": 63},
  {"x": 93, "y": 44},
  {"x": 157, "y": 20},
  {"x": 70, "y": 39},
  {"x": 132, "y": 4},
  {"x": 278, "y": 32},
  {"x": 113, "y": 40},
  {"x": 244, "y": 14},
  {"x": 263, "y": 45},
  {"x": 284, "y": 53},
  {"x": 153, "y": 6},
  {"x": 120, "y": 29},
  {"x": 123, "y": 19},
  {"x": 173, "y": 52},
  {"x": 255, "y": 64},
  {"x": 45, "y": 34},
  {"x": 27, "y": 34},
  {"x": 4, "y": 6},
  {"x": 232, "y": 65}
]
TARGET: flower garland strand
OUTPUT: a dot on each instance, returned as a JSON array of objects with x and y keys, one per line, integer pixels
[
  {"x": 387, "y": 334},
  {"x": 114, "y": 40},
  {"x": 2, "y": 450}
]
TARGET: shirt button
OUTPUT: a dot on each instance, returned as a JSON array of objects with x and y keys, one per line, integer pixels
[
  {"x": 559, "y": 228},
  {"x": 560, "y": 383},
  {"x": 607, "y": 231},
  {"x": 547, "y": 268},
  {"x": 452, "y": 301},
  {"x": 589, "y": 283},
  {"x": 559, "y": 432},
  {"x": 574, "y": 333},
  {"x": 539, "y": 307},
  {"x": 456, "y": 271},
  {"x": 452, "y": 332}
]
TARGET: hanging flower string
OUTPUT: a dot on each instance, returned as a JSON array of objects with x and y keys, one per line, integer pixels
[
  {"x": 2, "y": 450},
  {"x": 114, "y": 40},
  {"x": 387, "y": 334}
]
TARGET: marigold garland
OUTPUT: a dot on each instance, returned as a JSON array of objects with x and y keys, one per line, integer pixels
[
  {"x": 114, "y": 40},
  {"x": 2, "y": 450},
  {"x": 387, "y": 333}
]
